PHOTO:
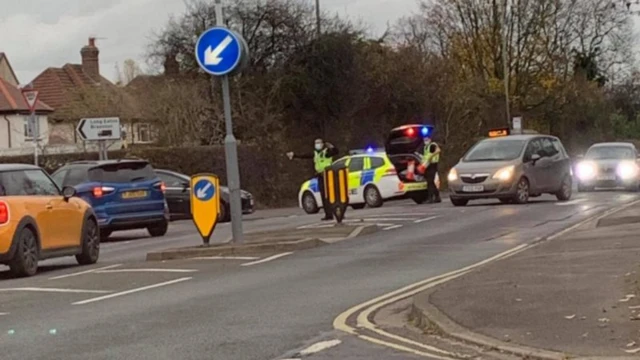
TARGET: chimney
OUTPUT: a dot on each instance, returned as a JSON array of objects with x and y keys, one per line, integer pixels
[
  {"x": 171, "y": 66},
  {"x": 90, "y": 62}
]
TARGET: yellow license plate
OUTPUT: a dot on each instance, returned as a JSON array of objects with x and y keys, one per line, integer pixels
[
  {"x": 415, "y": 186},
  {"x": 134, "y": 194}
]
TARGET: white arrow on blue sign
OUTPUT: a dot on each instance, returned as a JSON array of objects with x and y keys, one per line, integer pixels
[{"x": 219, "y": 51}]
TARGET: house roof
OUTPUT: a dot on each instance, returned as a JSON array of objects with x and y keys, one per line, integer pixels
[
  {"x": 67, "y": 89},
  {"x": 12, "y": 101},
  {"x": 4, "y": 57}
]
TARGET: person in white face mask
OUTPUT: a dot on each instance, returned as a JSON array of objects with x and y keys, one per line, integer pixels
[{"x": 322, "y": 156}]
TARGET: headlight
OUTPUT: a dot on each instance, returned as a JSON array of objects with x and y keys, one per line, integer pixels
[
  {"x": 453, "y": 175},
  {"x": 586, "y": 170},
  {"x": 504, "y": 174},
  {"x": 627, "y": 170}
]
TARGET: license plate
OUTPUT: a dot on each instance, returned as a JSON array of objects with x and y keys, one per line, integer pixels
[
  {"x": 607, "y": 177},
  {"x": 473, "y": 188},
  {"x": 415, "y": 186},
  {"x": 134, "y": 194}
]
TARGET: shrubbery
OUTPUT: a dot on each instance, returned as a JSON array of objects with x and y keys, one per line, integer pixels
[{"x": 265, "y": 172}]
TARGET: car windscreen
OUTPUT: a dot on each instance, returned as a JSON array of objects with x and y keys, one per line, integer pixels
[
  {"x": 610, "y": 153},
  {"x": 123, "y": 172},
  {"x": 495, "y": 150}
]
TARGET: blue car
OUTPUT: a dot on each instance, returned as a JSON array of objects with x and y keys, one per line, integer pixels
[{"x": 124, "y": 194}]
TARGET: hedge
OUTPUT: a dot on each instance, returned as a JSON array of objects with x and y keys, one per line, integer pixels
[{"x": 265, "y": 172}]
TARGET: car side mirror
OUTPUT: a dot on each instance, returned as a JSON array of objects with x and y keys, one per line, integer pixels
[
  {"x": 68, "y": 192},
  {"x": 535, "y": 158}
]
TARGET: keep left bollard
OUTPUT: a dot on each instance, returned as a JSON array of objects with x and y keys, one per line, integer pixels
[
  {"x": 336, "y": 182},
  {"x": 205, "y": 204}
]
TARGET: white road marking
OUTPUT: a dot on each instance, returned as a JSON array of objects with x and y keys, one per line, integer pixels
[
  {"x": 572, "y": 202},
  {"x": 322, "y": 345},
  {"x": 388, "y": 219},
  {"x": 392, "y": 227},
  {"x": 270, "y": 258},
  {"x": 84, "y": 272},
  {"x": 145, "y": 270},
  {"x": 425, "y": 219},
  {"x": 127, "y": 292},
  {"x": 398, "y": 214},
  {"x": 226, "y": 258},
  {"x": 37, "y": 289},
  {"x": 3, "y": 314}
]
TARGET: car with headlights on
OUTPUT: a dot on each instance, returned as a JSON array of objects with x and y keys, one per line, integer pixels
[
  {"x": 512, "y": 168},
  {"x": 609, "y": 165}
]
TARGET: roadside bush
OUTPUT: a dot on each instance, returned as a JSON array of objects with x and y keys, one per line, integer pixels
[{"x": 265, "y": 172}]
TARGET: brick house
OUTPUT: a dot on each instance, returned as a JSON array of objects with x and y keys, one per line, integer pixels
[
  {"x": 78, "y": 91},
  {"x": 14, "y": 114}
]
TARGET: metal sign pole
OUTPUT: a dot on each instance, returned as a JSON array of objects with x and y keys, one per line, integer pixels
[
  {"x": 231, "y": 152},
  {"x": 35, "y": 132}
]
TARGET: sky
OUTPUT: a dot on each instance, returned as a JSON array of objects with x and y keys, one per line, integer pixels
[{"x": 37, "y": 34}]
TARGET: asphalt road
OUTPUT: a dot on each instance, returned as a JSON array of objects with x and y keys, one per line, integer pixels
[{"x": 269, "y": 308}]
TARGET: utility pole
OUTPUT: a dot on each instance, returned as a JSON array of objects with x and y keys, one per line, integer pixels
[
  {"x": 318, "y": 29},
  {"x": 505, "y": 64}
]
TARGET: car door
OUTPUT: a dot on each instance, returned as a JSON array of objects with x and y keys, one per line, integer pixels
[
  {"x": 355, "y": 166},
  {"x": 61, "y": 223},
  {"x": 533, "y": 170},
  {"x": 177, "y": 194},
  {"x": 559, "y": 162}
]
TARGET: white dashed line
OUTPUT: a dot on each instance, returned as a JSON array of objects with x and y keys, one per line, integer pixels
[
  {"x": 226, "y": 258},
  {"x": 84, "y": 272},
  {"x": 105, "y": 297},
  {"x": 270, "y": 258},
  {"x": 36, "y": 289},
  {"x": 425, "y": 219},
  {"x": 3, "y": 314},
  {"x": 392, "y": 227},
  {"x": 317, "y": 347},
  {"x": 145, "y": 270}
]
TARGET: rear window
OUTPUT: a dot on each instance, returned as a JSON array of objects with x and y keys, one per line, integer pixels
[{"x": 122, "y": 172}]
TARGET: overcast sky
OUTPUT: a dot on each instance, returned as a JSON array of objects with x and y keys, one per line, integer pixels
[{"x": 37, "y": 34}]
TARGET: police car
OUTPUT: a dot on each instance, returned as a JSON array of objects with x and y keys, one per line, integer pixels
[{"x": 378, "y": 175}]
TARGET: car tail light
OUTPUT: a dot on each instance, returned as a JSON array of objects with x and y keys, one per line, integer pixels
[
  {"x": 100, "y": 191},
  {"x": 4, "y": 212},
  {"x": 160, "y": 186},
  {"x": 391, "y": 172}
]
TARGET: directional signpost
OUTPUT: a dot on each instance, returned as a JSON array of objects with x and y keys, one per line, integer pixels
[
  {"x": 33, "y": 128},
  {"x": 100, "y": 130},
  {"x": 222, "y": 52},
  {"x": 205, "y": 204}
]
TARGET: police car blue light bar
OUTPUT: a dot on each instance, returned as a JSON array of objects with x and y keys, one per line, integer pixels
[
  {"x": 368, "y": 150},
  {"x": 425, "y": 131}
]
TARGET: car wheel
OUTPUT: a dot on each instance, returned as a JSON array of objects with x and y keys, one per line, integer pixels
[
  {"x": 459, "y": 202},
  {"x": 25, "y": 259},
  {"x": 522, "y": 191},
  {"x": 309, "y": 204},
  {"x": 420, "y": 197},
  {"x": 90, "y": 244},
  {"x": 159, "y": 229},
  {"x": 564, "y": 194},
  {"x": 358, "y": 206},
  {"x": 372, "y": 196},
  {"x": 224, "y": 215},
  {"x": 104, "y": 234}
]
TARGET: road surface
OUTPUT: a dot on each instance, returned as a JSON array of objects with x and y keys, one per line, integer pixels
[{"x": 271, "y": 307}]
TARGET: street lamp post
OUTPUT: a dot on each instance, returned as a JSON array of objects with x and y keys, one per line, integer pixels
[
  {"x": 505, "y": 65},
  {"x": 319, "y": 31}
]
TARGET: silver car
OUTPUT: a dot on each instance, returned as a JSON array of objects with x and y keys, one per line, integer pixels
[
  {"x": 512, "y": 168},
  {"x": 609, "y": 165}
]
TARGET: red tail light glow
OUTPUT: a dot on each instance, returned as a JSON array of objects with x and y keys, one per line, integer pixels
[
  {"x": 100, "y": 191},
  {"x": 163, "y": 187},
  {"x": 4, "y": 212},
  {"x": 410, "y": 131}
]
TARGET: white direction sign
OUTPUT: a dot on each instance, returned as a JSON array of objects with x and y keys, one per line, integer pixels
[{"x": 99, "y": 129}]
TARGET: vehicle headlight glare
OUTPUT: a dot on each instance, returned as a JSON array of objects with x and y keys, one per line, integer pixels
[
  {"x": 586, "y": 170},
  {"x": 627, "y": 170},
  {"x": 453, "y": 175},
  {"x": 504, "y": 174}
]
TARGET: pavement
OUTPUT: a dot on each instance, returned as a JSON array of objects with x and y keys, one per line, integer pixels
[
  {"x": 575, "y": 296},
  {"x": 271, "y": 306}
]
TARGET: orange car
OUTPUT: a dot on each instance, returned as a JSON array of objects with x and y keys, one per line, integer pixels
[{"x": 38, "y": 221}]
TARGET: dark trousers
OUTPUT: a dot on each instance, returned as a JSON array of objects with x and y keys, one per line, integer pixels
[
  {"x": 323, "y": 195},
  {"x": 432, "y": 189}
]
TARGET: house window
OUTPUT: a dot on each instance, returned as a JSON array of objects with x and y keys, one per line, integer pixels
[
  {"x": 144, "y": 133},
  {"x": 28, "y": 132}
]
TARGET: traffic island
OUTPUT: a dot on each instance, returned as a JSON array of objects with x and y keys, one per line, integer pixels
[
  {"x": 281, "y": 240},
  {"x": 575, "y": 296}
]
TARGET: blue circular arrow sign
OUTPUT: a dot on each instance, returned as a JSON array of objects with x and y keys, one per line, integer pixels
[
  {"x": 219, "y": 51},
  {"x": 204, "y": 190}
]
